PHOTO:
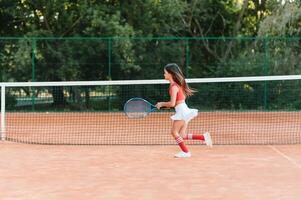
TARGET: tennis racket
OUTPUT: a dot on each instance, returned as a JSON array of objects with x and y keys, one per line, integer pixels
[{"x": 138, "y": 108}]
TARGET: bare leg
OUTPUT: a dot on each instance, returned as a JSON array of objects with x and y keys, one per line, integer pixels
[
  {"x": 183, "y": 132},
  {"x": 176, "y": 127}
]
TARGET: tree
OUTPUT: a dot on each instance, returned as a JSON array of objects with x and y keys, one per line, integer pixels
[{"x": 284, "y": 21}]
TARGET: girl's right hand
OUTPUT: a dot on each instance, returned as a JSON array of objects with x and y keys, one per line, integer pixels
[{"x": 158, "y": 105}]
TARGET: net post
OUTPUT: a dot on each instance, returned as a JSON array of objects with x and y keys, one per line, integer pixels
[{"x": 3, "y": 136}]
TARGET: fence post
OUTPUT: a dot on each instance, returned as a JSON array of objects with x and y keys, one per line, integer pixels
[
  {"x": 187, "y": 57},
  {"x": 110, "y": 58},
  {"x": 266, "y": 71},
  {"x": 33, "y": 67},
  {"x": 33, "y": 71},
  {"x": 110, "y": 70}
]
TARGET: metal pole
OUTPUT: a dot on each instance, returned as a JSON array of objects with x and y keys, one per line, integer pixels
[
  {"x": 265, "y": 72},
  {"x": 187, "y": 58},
  {"x": 109, "y": 70},
  {"x": 33, "y": 72}
]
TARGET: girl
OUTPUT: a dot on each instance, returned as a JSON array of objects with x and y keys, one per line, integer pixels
[{"x": 178, "y": 90}]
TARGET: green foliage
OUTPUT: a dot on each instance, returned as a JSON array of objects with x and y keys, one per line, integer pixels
[
  {"x": 285, "y": 56},
  {"x": 284, "y": 21},
  {"x": 88, "y": 59},
  {"x": 10, "y": 101},
  {"x": 113, "y": 39}
]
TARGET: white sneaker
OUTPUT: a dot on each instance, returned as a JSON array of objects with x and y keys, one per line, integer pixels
[
  {"x": 208, "y": 140},
  {"x": 182, "y": 154}
]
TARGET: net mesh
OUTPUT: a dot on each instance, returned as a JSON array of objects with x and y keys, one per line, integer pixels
[{"x": 235, "y": 111}]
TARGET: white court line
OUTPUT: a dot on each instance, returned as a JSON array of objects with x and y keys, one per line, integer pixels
[{"x": 286, "y": 157}]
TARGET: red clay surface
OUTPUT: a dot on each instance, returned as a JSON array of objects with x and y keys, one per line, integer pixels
[
  {"x": 116, "y": 128},
  {"x": 263, "y": 172}
]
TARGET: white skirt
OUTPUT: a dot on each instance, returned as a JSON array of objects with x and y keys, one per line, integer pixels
[{"x": 184, "y": 113}]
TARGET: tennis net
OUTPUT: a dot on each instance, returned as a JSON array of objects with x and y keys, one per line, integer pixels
[{"x": 235, "y": 110}]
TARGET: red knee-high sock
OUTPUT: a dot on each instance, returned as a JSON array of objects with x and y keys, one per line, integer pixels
[
  {"x": 191, "y": 136},
  {"x": 181, "y": 144}
]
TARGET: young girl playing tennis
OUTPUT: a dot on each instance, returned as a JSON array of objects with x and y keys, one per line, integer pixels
[{"x": 178, "y": 90}]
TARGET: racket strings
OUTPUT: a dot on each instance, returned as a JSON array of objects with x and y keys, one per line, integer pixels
[{"x": 137, "y": 108}]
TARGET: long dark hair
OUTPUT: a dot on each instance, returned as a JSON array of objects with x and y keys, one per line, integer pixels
[{"x": 179, "y": 78}]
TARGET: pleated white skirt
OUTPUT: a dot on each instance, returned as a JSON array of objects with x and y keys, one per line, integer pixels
[{"x": 183, "y": 112}]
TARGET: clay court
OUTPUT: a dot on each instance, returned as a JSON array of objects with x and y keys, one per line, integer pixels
[
  {"x": 111, "y": 168},
  {"x": 149, "y": 172}
]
